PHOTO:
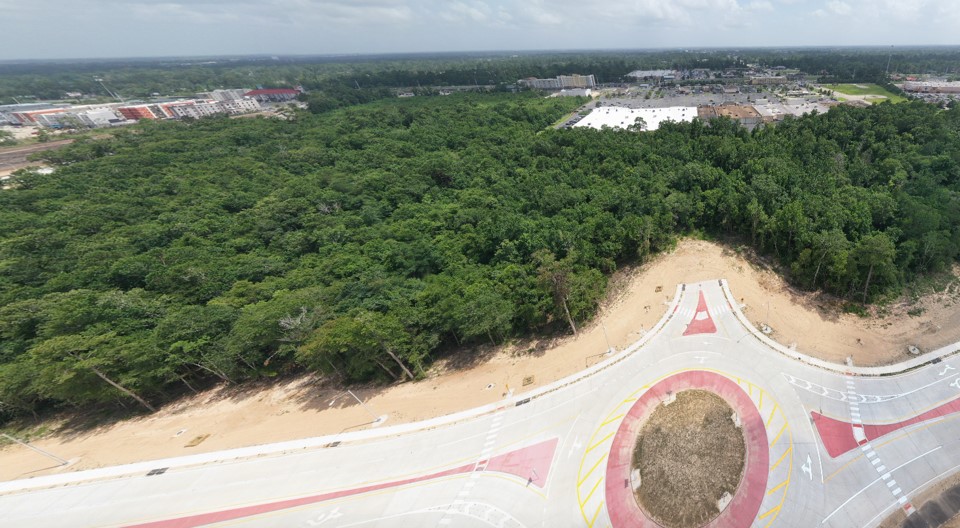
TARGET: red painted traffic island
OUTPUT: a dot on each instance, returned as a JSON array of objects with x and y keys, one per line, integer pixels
[{"x": 621, "y": 502}]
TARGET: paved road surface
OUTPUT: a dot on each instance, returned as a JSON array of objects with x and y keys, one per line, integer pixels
[{"x": 826, "y": 448}]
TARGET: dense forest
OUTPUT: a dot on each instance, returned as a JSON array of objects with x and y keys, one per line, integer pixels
[
  {"x": 366, "y": 241},
  {"x": 336, "y": 76}
]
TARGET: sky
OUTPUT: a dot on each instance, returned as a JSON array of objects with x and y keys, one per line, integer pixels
[{"x": 47, "y": 29}]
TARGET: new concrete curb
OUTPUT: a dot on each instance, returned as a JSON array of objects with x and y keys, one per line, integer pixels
[{"x": 885, "y": 370}]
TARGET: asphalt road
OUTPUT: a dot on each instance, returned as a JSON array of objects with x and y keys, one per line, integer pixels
[{"x": 828, "y": 447}]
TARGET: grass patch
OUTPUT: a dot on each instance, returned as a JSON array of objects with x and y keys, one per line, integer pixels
[{"x": 880, "y": 93}]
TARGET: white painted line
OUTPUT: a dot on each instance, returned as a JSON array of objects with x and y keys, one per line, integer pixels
[
  {"x": 446, "y": 520},
  {"x": 871, "y": 454},
  {"x": 897, "y": 491},
  {"x": 892, "y": 483},
  {"x": 875, "y": 461},
  {"x": 470, "y": 484},
  {"x": 884, "y": 477},
  {"x": 902, "y": 500},
  {"x": 921, "y": 486},
  {"x": 881, "y": 469},
  {"x": 463, "y": 493},
  {"x": 866, "y": 448}
]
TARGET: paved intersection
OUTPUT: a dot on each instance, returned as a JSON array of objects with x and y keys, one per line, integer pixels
[{"x": 831, "y": 447}]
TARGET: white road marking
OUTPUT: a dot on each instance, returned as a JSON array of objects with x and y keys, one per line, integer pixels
[{"x": 884, "y": 477}]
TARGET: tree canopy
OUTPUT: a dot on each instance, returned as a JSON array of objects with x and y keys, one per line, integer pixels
[{"x": 365, "y": 241}]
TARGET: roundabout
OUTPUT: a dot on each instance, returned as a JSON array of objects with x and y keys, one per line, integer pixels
[{"x": 822, "y": 445}]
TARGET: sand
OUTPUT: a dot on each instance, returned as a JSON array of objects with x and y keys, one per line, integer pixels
[{"x": 308, "y": 406}]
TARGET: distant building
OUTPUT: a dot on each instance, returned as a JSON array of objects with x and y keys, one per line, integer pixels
[
  {"x": 144, "y": 111},
  {"x": 560, "y": 82},
  {"x": 767, "y": 80},
  {"x": 577, "y": 81},
  {"x": 241, "y": 106},
  {"x": 273, "y": 95},
  {"x": 745, "y": 114},
  {"x": 652, "y": 74},
  {"x": 228, "y": 95},
  {"x": 932, "y": 87},
  {"x": 98, "y": 117},
  {"x": 576, "y": 92}
]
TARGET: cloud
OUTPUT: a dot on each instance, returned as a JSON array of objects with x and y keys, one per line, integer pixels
[
  {"x": 839, "y": 7},
  {"x": 462, "y": 11},
  {"x": 760, "y": 5}
]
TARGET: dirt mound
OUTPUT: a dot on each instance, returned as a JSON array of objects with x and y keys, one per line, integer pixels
[{"x": 690, "y": 455}]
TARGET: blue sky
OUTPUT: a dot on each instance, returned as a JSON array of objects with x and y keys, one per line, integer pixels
[{"x": 126, "y": 28}]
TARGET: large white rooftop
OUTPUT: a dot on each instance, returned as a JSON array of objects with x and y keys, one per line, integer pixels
[{"x": 619, "y": 117}]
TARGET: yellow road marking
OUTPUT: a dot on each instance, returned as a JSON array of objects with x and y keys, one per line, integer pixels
[
  {"x": 782, "y": 429},
  {"x": 785, "y": 453},
  {"x": 760, "y": 405},
  {"x": 585, "y": 477},
  {"x": 770, "y": 419},
  {"x": 602, "y": 440},
  {"x": 617, "y": 417},
  {"x": 770, "y": 511},
  {"x": 778, "y": 486},
  {"x": 593, "y": 489},
  {"x": 594, "y": 518},
  {"x": 783, "y": 496}
]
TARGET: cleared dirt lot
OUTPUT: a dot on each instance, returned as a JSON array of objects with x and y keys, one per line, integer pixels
[
  {"x": 15, "y": 158},
  {"x": 306, "y": 406}
]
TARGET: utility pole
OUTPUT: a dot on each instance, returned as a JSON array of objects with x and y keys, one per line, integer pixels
[
  {"x": 37, "y": 449},
  {"x": 889, "y": 56}
]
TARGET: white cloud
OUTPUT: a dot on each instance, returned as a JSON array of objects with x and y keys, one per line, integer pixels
[
  {"x": 839, "y": 7},
  {"x": 462, "y": 11},
  {"x": 760, "y": 5}
]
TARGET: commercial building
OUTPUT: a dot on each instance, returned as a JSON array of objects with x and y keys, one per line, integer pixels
[
  {"x": 652, "y": 74},
  {"x": 145, "y": 111},
  {"x": 241, "y": 106},
  {"x": 620, "y": 117},
  {"x": 768, "y": 80},
  {"x": 932, "y": 87},
  {"x": 227, "y": 95},
  {"x": 561, "y": 82},
  {"x": 273, "y": 95},
  {"x": 577, "y": 81}
]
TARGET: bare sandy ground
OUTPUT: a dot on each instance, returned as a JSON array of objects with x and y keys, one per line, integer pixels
[{"x": 306, "y": 406}]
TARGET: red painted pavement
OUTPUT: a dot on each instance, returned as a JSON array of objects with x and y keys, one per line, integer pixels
[
  {"x": 701, "y": 323},
  {"x": 621, "y": 504},
  {"x": 837, "y": 435},
  {"x": 521, "y": 463}
]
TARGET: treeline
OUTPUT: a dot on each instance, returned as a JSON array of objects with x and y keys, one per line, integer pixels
[
  {"x": 336, "y": 77},
  {"x": 364, "y": 242}
]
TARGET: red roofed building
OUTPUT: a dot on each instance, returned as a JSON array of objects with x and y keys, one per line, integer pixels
[{"x": 273, "y": 95}]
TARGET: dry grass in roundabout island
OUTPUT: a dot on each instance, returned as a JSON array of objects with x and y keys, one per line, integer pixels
[{"x": 690, "y": 454}]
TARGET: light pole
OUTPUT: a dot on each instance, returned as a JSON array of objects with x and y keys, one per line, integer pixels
[
  {"x": 377, "y": 420},
  {"x": 607, "y": 337},
  {"x": 37, "y": 449}
]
